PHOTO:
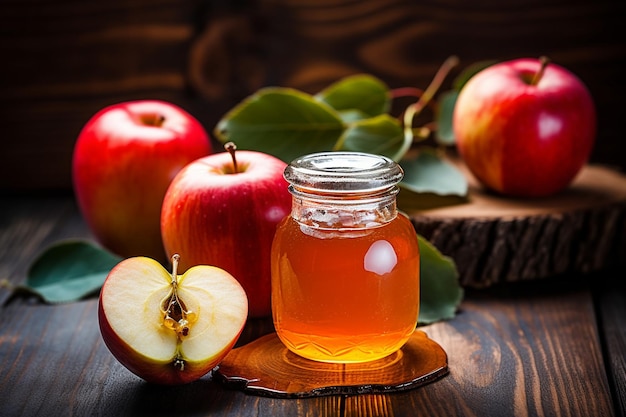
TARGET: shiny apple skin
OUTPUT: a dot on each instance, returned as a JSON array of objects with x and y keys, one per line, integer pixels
[
  {"x": 520, "y": 139},
  {"x": 122, "y": 166},
  {"x": 212, "y": 216}
]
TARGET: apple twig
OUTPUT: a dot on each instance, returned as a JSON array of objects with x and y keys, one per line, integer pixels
[
  {"x": 406, "y": 92},
  {"x": 428, "y": 94},
  {"x": 401, "y": 92},
  {"x": 422, "y": 133}
]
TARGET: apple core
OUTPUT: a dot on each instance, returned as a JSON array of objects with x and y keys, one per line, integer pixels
[{"x": 176, "y": 316}]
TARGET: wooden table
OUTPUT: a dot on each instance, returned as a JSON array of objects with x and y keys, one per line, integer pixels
[{"x": 554, "y": 347}]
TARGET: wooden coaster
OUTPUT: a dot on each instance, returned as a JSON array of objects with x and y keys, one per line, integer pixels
[{"x": 266, "y": 367}]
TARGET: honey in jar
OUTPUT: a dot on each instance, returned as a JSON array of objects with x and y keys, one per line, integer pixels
[{"x": 345, "y": 263}]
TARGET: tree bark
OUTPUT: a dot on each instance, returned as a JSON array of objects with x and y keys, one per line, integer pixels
[{"x": 494, "y": 239}]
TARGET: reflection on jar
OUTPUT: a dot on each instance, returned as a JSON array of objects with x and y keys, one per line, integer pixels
[{"x": 380, "y": 258}]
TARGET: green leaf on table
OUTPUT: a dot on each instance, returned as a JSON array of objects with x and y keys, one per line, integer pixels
[
  {"x": 443, "y": 117},
  {"x": 382, "y": 135},
  {"x": 283, "y": 122},
  {"x": 440, "y": 291},
  {"x": 430, "y": 173},
  {"x": 357, "y": 96},
  {"x": 68, "y": 271}
]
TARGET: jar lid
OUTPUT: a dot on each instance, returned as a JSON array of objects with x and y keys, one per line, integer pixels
[{"x": 343, "y": 172}]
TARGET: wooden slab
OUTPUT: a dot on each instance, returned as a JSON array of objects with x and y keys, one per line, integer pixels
[
  {"x": 495, "y": 239},
  {"x": 266, "y": 367}
]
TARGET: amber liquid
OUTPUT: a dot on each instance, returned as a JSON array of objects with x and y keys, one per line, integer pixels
[{"x": 345, "y": 296}]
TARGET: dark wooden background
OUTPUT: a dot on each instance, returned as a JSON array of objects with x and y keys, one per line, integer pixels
[{"x": 61, "y": 61}]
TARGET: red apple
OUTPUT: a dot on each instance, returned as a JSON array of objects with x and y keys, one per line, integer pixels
[
  {"x": 125, "y": 158},
  {"x": 170, "y": 329},
  {"x": 218, "y": 214},
  {"x": 525, "y": 127}
]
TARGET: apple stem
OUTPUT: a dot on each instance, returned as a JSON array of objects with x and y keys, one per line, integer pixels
[
  {"x": 544, "y": 61},
  {"x": 175, "y": 259},
  {"x": 155, "y": 120},
  {"x": 231, "y": 148}
]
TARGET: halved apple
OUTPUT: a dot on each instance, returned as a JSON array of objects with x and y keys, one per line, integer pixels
[{"x": 168, "y": 328}]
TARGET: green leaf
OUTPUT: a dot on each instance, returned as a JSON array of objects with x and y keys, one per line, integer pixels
[
  {"x": 68, "y": 271},
  {"x": 382, "y": 135},
  {"x": 352, "y": 115},
  {"x": 445, "y": 132},
  {"x": 283, "y": 122},
  {"x": 410, "y": 201},
  {"x": 356, "y": 95},
  {"x": 429, "y": 173},
  {"x": 469, "y": 72},
  {"x": 440, "y": 292}
]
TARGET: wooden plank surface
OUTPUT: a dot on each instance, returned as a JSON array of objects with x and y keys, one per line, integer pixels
[
  {"x": 611, "y": 308},
  {"x": 530, "y": 349}
]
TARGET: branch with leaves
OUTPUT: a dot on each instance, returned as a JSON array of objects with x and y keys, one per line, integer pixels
[{"x": 353, "y": 114}]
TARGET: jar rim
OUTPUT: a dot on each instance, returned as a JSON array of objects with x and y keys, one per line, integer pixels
[{"x": 343, "y": 172}]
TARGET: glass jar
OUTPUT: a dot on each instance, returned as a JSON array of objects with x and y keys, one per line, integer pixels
[{"x": 345, "y": 264}]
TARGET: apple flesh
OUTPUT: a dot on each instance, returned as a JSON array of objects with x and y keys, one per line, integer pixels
[
  {"x": 220, "y": 214},
  {"x": 525, "y": 127},
  {"x": 124, "y": 159},
  {"x": 166, "y": 328}
]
